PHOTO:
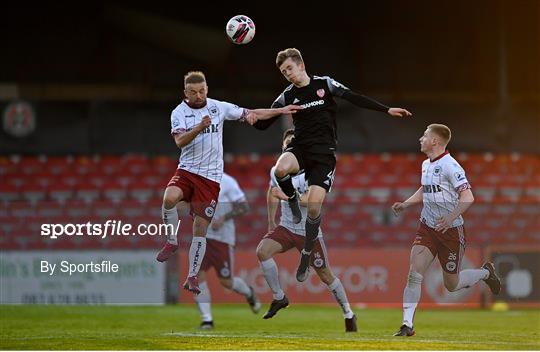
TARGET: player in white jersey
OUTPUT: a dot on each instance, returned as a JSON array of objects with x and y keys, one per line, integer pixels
[
  {"x": 197, "y": 128},
  {"x": 220, "y": 241},
  {"x": 288, "y": 235},
  {"x": 446, "y": 194}
]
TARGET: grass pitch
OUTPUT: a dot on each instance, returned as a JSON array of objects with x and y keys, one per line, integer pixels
[{"x": 298, "y": 327}]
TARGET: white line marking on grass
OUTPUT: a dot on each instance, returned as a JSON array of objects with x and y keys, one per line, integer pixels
[{"x": 355, "y": 339}]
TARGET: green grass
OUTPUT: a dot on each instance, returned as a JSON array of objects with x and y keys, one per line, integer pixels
[{"x": 299, "y": 327}]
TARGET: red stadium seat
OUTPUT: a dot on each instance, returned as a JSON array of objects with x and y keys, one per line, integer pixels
[
  {"x": 141, "y": 191},
  {"x": 49, "y": 210},
  {"x": 8, "y": 193},
  {"x": 61, "y": 192},
  {"x": 7, "y": 166},
  {"x": 31, "y": 165},
  {"x": 105, "y": 209},
  {"x": 58, "y": 165},
  {"x": 114, "y": 191},
  {"x": 109, "y": 164},
  {"x": 87, "y": 193},
  {"x": 33, "y": 193}
]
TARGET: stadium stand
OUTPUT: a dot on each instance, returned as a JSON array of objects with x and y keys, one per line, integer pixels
[{"x": 38, "y": 190}]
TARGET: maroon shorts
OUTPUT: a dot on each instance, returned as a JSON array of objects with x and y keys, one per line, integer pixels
[
  {"x": 449, "y": 247},
  {"x": 200, "y": 192},
  {"x": 288, "y": 240},
  {"x": 220, "y": 256}
]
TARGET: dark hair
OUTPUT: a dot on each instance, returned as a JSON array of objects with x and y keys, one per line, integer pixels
[
  {"x": 194, "y": 77},
  {"x": 292, "y": 53}
]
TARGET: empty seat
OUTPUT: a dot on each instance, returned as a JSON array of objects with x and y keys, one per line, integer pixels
[
  {"x": 87, "y": 193},
  {"x": 141, "y": 191},
  {"x": 33, "y": 193},
  {"x": 8, "y": 193},
  {"x": 61, "y": 192},
  {"x": 114, "y": 191}
]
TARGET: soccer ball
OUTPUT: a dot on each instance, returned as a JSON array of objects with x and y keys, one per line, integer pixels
[{"x": 240, "y": 29}]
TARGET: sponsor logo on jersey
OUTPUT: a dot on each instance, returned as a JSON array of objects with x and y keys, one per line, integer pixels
[
  {"x": 312, "y": 104},
  {"x": 213, "y": 128},
  {"x": 320, "y": 92},
  {"x": 431, "y": 188},
  {"x": 459, "y": 176}
]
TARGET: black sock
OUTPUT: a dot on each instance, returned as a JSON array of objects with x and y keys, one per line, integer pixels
[
  {"x": 312, "y": 232},
  {"x": 285, "y": 183}
]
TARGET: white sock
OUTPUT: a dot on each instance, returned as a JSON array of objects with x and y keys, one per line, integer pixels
[
  {"x": 170, "y": 218},
  {"x": 196, "y": 254},
  {"x": 203, "y": 302},
  {"x": 411, "y": 296},
  {"x": 340, "y": 295},
  {"x": 240, "y": 286},
  {"x": 270, "y": 272},
  {"x": 469, "y": 277}
]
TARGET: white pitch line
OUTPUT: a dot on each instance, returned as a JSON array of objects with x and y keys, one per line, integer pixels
[{"x": 191, "y": 334}]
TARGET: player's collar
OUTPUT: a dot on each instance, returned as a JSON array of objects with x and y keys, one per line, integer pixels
[
  {"x": 193, "y": 107},
  {"x": 440, "y": 156}
]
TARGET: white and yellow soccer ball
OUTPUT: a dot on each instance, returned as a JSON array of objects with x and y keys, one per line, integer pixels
[{"x": 240, "y": 29}]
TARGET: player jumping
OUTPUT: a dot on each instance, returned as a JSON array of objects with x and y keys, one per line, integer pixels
[
  {"x": 314, "y": 145},
  {"x": 197, "y": 128}
]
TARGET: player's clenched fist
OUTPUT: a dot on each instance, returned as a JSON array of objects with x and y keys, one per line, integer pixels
[
  {"x": 398, "y": 207},
  {"x": 205, "y": 122}
]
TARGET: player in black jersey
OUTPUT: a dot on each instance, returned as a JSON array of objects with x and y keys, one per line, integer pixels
[{"x": 313, "y": 147}]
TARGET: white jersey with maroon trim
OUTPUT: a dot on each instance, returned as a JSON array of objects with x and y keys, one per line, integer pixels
[
  {"x": 443, "y": 179},
  {"x": 204, "y": 155},
  {"x": 286, "y": 220},
  {"x": 229, "y": 193}
]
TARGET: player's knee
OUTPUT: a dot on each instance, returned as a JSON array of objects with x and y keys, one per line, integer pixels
[
  {"x": 170, "y": 199},
  {"x": 450, "y": 285},
  {"x": 263, "y": 253},
  {"x": 414, "y": 278},
  {"x": 314, "y": 212},
  {"x": 281, "y": 170}
]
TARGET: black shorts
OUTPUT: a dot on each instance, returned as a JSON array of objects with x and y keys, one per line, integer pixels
[{"x": 319, "y": 168}]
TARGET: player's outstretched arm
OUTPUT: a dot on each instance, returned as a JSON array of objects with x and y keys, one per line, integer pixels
[
  {"x": 265, "y": 114},
  {"x": 184, "y": 138},
  {"x": 365, "y": 102},
  {"x": 416, "y": 198}
]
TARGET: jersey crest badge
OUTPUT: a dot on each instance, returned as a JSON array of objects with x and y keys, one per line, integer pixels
[{"x": 320, "y": 92}]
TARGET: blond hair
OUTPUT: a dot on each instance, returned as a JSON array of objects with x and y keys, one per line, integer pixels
[
  {"x": 194, "y": 77},
  {"x": 292, "y": 53},
  {"x": 442, "y": 131}
]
